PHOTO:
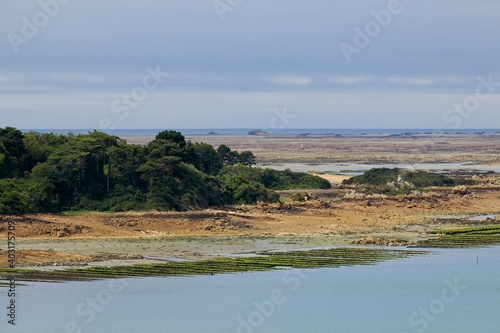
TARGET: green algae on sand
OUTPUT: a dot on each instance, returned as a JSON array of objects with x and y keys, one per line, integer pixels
[{"x": 263, "y": 261}]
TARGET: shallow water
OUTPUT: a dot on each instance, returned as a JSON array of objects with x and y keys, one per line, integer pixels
[
  {"x": 356, "y": 168},
  {"x": 482, "y": 217},
  {"x": 409, "y": 295}
]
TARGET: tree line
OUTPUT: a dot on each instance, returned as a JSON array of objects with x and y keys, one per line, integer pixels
[{"x": 47, "y": 172}]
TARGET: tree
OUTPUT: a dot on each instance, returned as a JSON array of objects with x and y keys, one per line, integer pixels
[
  {"x": 246, "y": 158},
  {"x": 167, "y": 143},
  {"x": 172, "y": 136},
  {"x": 227, "y": 156},
  {"x": 96, "y": 171},
  {"x": 80, "y": 164},
  {"x": 14, "y": 161},
  {"x": 208, "y": 160},
  {"x": 40, "y": 145},
  {"x": 163, "y": 184}
]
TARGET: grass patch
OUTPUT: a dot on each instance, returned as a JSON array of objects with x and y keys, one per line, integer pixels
[
  {"x": 463, "y": 238},
  {"x": 76, "y": 212}
]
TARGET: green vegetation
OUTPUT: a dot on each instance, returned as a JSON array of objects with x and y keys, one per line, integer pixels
[
  {"x": 397, "y": 181},
  {"x": 463, "y": 238},
  {"x": 300, "y": 196},
  {"x": 263, "y": 262},
  {"x": 100, "y": 172},
  {"x": 276, "y": 180}
]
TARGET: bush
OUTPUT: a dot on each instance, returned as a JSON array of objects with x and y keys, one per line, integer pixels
[
  {"x": 277, "y": 180},
  {"x": 383, "y": 176},
  {"x": 246, "y": 191},
  {"x": 396, "y": 181},
  {"x": 13, "y": 197}
]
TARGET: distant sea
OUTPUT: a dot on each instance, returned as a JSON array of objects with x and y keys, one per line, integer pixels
[{"x": 287, "y": 131}]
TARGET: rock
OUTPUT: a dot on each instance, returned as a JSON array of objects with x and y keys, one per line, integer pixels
[
  {"x": 354, "y": 195},
  {"x": 257, "y": 132},
  {"x": 460, "y": 190},
  {"x": 371, "y": 240}
]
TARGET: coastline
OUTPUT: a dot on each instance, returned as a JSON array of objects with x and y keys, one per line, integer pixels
[
  {"x": 330, "y": 220},
  {"x": 362, "y": 149}
]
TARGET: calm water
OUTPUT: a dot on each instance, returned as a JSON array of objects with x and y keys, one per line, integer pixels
[{"x": 454, "y": 291}]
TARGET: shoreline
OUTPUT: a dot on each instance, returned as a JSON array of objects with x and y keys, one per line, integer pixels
[
  {"x": 332, "y": 218},
  {"x": 376, "y": 149}
]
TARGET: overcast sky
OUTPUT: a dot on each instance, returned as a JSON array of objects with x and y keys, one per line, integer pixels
[{"x": 239, "y": 63}]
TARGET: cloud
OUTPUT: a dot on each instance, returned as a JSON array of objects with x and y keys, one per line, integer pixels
[
  {"x": 349, "y": 79},
  {"x": 75, "y": 66},
  {"x": 411, "y": 81},
  {"x": 291, "y": 80}
]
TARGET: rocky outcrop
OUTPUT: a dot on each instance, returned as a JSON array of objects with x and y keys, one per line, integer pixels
[{"x": 460, "y": 190}]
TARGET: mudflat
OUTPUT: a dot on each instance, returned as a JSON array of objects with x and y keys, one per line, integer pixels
[
  {"x": 328, "y": 218},
  {"x": 369, "y": 149}
]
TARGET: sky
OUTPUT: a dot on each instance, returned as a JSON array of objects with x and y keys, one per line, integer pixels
[{"x": 249, "y": 64}]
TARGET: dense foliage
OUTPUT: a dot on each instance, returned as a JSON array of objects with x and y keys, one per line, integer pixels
[
  {"x": 96, "y": 171},
  {"x": 274, "y": 179},
  {"x": 385, "y": 180}
]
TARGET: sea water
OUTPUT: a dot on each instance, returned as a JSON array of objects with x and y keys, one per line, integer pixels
[
  {"x": 455, "y": 290},
  {"x": 285, "y": 131}
]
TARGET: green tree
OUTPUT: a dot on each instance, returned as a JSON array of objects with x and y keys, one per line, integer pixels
[
  {"x": 161, "y": 175},
  {"x": 40, "y": 145},
  {"x": 14, "y": 162},
  {"x": 246, "y": 158},
  {"x": 80, "y": 163},
  {"x": 208, "y": 160},
  {"x": 227, "y": 156}
]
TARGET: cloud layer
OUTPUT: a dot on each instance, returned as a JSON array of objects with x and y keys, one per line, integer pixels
[{"x": 64, "y": 63}]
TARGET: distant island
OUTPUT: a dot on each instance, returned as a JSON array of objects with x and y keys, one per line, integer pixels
[{"x": 257, "y": 132}]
